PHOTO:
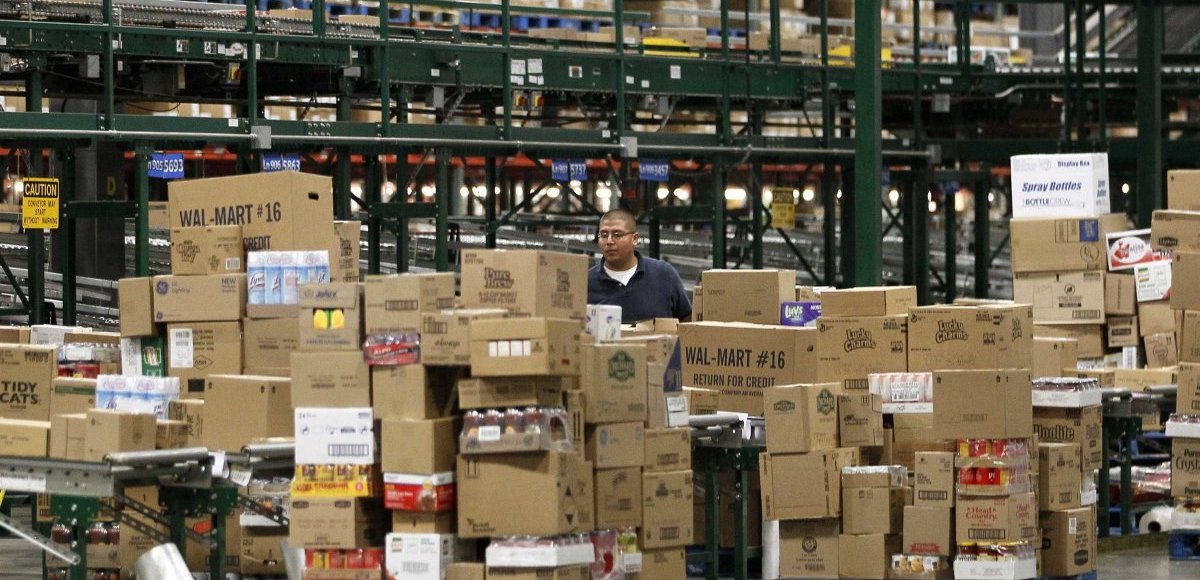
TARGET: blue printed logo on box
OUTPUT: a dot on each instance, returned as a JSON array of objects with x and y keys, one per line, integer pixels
[
  {"x": 799, "y": 313},
  {"x": 1089, "y": 230}
]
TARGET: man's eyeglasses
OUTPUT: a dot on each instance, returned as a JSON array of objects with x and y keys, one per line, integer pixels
[{"x": 614, "y": 236}]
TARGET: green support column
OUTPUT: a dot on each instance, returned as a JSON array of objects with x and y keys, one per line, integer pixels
[
  {"x": 341, "y": 163},
  {"x": 66, "y": 233},
  {"x": 718, "y": 226},
  {"x": 141, "y": 189},
  {"x": 983, "y": 242},
  {"x": 441, "y": 254},
  {"x": 36, "y": 239},
  {"x": 866, "y": 266},
  {"x": 385, "y": 80},
  {"x": 491, "y": 171},
  {"x": 919, "y": 200},
  {"x": 951, "y": 246},
  {"x": 756, "y": 215},
  {"x": 372, "y": 186},
  {"x": 829, "y": 207},
  {"x": 1149, "y": 110},
  {"x": 402, "y": 180}
]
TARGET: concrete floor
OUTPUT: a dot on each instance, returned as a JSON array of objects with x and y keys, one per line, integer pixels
[{"x": 20, "y": 561}]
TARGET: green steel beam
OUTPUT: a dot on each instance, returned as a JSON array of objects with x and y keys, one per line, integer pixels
[
  {"x": 950, "y": 228},
  {"x": 718, "y": 214},
  {"x": 868, "y": 160},
  {"x": 35, "y": 238},
  {"x": 141, "y": 189},
  {"x": 983, "y": 242},
  {"x": 918, "y": 201},
  {"x": 1150, "y": 29},
  {"x": 441, "y": 256},
  {"x": 66, "y": 234}
]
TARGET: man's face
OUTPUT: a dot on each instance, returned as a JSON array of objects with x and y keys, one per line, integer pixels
[{"x": 617, "y": 238}]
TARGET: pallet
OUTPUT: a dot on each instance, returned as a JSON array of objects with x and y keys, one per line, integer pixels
[{"x": 1184, "y": 545}]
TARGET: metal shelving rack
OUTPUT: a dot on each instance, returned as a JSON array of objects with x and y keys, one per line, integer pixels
[{"x": 397, "y": 66}]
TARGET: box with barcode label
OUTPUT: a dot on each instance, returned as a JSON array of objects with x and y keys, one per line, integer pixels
[
  {"x": 1062, "y": 297},
  {"x": 903, "y": 392},
  {"x": 207, "y": 250},
  {"x": 335, "y": 436},
  {"x": 419, "y": 556},
  {"x": 667, "y": 509}
]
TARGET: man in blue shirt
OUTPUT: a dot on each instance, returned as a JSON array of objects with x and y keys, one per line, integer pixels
[{"x": 643, "y": 287}]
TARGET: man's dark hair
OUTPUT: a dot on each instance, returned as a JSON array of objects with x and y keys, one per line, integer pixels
[{"x": 621, "y": 214}]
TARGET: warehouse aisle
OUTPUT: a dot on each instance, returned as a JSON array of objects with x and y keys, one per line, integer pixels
[{"x": 1144, "y": 563}]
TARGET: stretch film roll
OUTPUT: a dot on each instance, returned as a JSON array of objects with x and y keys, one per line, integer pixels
[
  {"x": 770, "y": 548},
  {"x": 162, "y": 562},
  {"x": 1156, "y": 520}
]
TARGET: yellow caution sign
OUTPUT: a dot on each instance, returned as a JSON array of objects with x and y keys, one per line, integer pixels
[
  {"x": 783, "y": 209},
  {"x": 39, "y": 205}
]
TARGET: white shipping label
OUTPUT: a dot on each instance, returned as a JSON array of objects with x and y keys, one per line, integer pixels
[
  {"x": 535, "y": 66},
  {"x": 182, "y": 348},
  {"x": 1153, "y": 281},
  {"x": 517, "y": 67},
  {"x": 1072, "y": 525},
  {"x": 489, "y": 433},
  {"x": 22, "y": 482},
  {"x": 676, "y": 74}
]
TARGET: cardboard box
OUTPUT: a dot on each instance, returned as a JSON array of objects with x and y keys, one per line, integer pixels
[
  {"x": 668, "y": 449},
  {"x": 851, "y": 347},
  {"x": 20, "y": 334},
  {"x": 969, "y": 337},
  {"x": 809, "y": 548},
  {"x": 1187, "y": 393},
  {"x": 667, "y": 509},
  {"x": 111, "y": 431},
  {"x": 1063, "y": 298},
  {"x": 494, "y": 491},
  {"x": 724, "y": 356},
  {"x": 1051, "y": 355},
  {"x": 1175, "y": 231},
  {"x": 284, "y": 210},
  {"x": 419, "y": 556},
  {"x": 619, "y": 498},
  {"x": 746, "y": 295},
  {"x": 1155, "y": 317},
  {"x": 1059, "y": 476},
  {"x": 190, "y": 411},
  {"x": 1060, "y": 185},
  {"x": 702, "y": 401},
  {"x": 1089, "y": 337},
  {"x": 983, "y": 404},
  {"x": 336, "y": 523},
  {"x": 241, "y": 408},
  {"x": 928, "y": 530},
  {"x": 933, "y": 479},
  {"x": 663, "y": 563},
  {"x": 71, "y": 395},
  {"x": 330, "y": 379},
  {"x": 1120, "y": 294},
  {"x": 215, "y": 298},
  {"x": 1186, "y": 266},
  {"x": 418, "y": 446},
  {"x": 801, "y": 418},
  {"x": 170, "y": 434},
  {"x": 1161, "y": 350},
  {"x": 800, "y": 485},
  {"x": 198, "y": 349},
  {"x": 1081, "y": 426},
  {"x": 344, "y": 256},
  {"x": 423, "y": 522},
  {"x": 1062, "y": 245},
  {"x": 1183, "y": 189},
  {"x": 344, "y": 436},
  {"x": 613, "y": 378},
  {"x": 530, "y": 282},
  {"x": 1185, "y": 467},
  {"x": 28, "y": 373},
  {"x": 1122, "y": 331},
  {"x": 261, "y": 552},
  {"x": 413, "y": 391},
  {"x": 269, "y": 342},
  {"x": 560, "y": 573},
  {"x": 616, "y": 445},
  {"x": 395, "y": 304},
  {"x": 68, "y": 434},
  {"x": 1189, "y": 337},
  {"x": 1069, "y": 542},
  {"x": 446, "y": 336},
  {"x": 1140, "y": 379},
  {"x": 603, "y": 322},
  {"x": 496, "y": 392},
  {"x": 25, "y": 438},
  {"x": 860, "y": 420},
  {"x": 872, "y": 510},
  {"x": 1001, "y": 518},
  {"x": 529, "y": 346},
  {"x": 207, "y": 250},
  {"x": 330, "y": 317},
  {"x": 135, "y": 300},
  {"x": 866, "y": 557},
  {"x": 868, "y": 301}
]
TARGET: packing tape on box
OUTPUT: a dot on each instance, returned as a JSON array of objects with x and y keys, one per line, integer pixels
[
  {"x": 770, "y": 549},
  {"x": 1156, "y": 520}
]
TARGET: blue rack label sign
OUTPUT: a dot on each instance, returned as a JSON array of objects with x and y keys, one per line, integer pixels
[
  {"x": 165, "y": 165},
  {"x": 653, "y": 169},
  {"x": 280, "y": 162},
  {"x": 568, "y": 170}
]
